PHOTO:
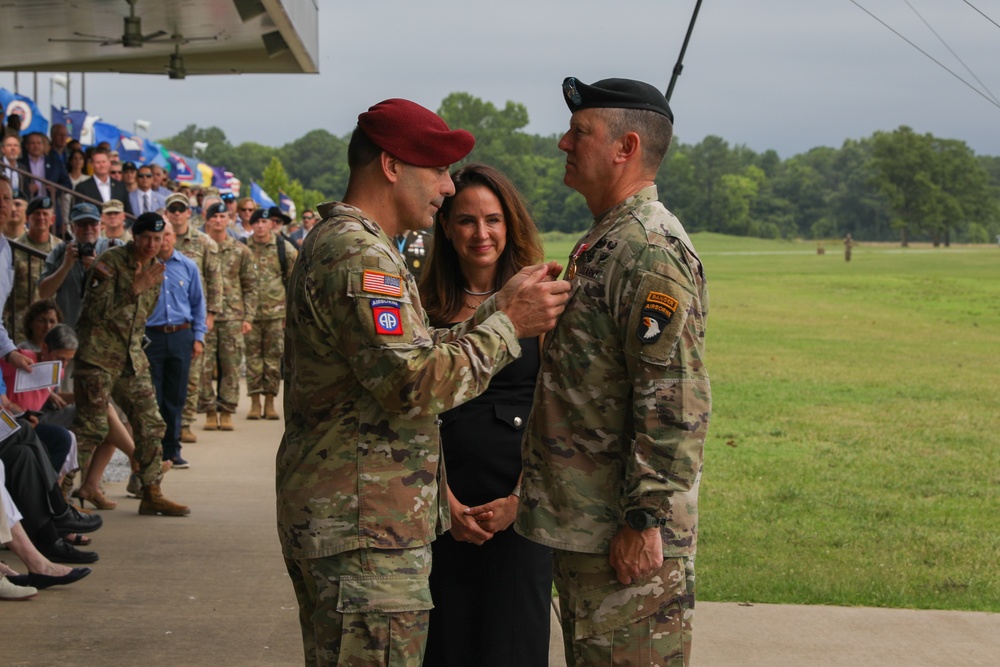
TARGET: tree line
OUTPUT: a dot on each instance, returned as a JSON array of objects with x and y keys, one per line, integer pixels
[{"x": 892, "y": 186}]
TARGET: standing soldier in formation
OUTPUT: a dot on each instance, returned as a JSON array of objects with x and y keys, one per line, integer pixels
[
  {"x": 614, "y": 443},
  {"x": 197, "y": 246},
  {"x": 224, "y": 344},
  {"x": 848, "y": 245},
  {"x": 265, "y": 343},
  {"x": 122, "y": 288}
]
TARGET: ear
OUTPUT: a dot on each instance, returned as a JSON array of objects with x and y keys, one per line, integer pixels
[
  {"x": 390, "y": 167},
  {"x": 628, "y": 147}
]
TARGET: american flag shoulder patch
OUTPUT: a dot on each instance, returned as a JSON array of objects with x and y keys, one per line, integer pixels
[{"x": 382, "y": 283}]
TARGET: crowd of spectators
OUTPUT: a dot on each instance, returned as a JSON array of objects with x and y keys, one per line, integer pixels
[{"x": 50, "y": 248}]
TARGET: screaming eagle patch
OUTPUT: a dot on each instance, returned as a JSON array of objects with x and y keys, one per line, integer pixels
[
  {"x": 656, "y": 314},
  {"x": 387, "y": 319}
]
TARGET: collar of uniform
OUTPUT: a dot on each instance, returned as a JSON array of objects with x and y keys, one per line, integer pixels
[
  {"x": 372, "y": 227},
  {"x": 644, "y": 196}
]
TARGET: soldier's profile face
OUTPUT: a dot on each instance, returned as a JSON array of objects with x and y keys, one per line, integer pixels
[
  {"x": 589, "y": 152},
  {"x": 419, "y": 194}
]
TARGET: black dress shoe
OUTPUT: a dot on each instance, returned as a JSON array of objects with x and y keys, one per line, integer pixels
[
  {"x": 72, "y": 521},
  {"x": 62, "y": 551},
  {"x": 42, "y": 581}
]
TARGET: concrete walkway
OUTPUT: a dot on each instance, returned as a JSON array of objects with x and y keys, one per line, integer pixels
[{"x": 211, "y": 589}]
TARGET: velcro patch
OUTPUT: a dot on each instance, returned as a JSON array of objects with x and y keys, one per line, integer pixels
[
  {"x": 382, "y": 283},
  {"x": 103, "y": 269},
  {"x": 387, "y": 319},
  {"x": 656, "y": 314}
]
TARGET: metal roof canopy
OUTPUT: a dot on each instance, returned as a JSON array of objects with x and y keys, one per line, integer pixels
[{"x": 251, "y": 36}]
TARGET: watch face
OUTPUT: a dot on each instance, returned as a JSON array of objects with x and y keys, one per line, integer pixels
[{"x": 638, "y": 520}]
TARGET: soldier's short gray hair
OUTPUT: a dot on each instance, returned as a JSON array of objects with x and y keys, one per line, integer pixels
[{"x": 654, "y": 129}]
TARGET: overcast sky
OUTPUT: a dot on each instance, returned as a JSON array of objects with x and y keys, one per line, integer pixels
[{"x": 783, "y": 74}]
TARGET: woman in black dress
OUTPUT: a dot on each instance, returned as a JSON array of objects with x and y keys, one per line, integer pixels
[{"x": 491, "y": 587}]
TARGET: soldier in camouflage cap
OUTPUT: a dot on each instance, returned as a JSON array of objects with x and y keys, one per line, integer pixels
[
  {"x": 613, "y": 446},
  {"x": 359, "y": 466}
]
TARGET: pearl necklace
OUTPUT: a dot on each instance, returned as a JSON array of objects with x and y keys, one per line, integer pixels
[{"x": 486, "y": 293}]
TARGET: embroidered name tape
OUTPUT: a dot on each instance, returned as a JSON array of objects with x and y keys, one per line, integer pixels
[
  {"x": 382, "y": 283},
  {"x": 387, "y": 319}
]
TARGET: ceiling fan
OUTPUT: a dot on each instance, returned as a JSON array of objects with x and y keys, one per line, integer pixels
[{"x": 132, "y": 36}]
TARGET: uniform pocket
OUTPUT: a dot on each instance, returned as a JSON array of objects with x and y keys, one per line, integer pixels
[
  {"x": 390, "y": 594},
  {"x": 617, "y": 606}
]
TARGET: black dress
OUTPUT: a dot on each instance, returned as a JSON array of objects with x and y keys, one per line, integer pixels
[{"x": 491, "y": 602}]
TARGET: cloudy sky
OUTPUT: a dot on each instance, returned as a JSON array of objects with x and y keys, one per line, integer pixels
[{"x": 783, "y": 74}]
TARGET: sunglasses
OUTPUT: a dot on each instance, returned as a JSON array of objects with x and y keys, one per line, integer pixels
[
  {"x": 141, "y": 175},
  {"x": 176, "y": 208},
  {"x": 116, "y": 173},
  {"x": 248, "y": 210}
]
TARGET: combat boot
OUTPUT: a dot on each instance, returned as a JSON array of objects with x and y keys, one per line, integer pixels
[
  {"x": 211, "y": 421},
  {"x": 153, "y": 502},
  {"x": 269, "y": 412},
  {"x": 187, "y": 435},
  {"x": 225, "y": 421},
  {"x": 254, "y": 407}
]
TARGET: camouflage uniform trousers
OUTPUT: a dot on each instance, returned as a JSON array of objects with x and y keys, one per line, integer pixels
[
  {"x": 265, "y": 346},
  {"x": 605, "y": 622},
  {"x": 94, "y": 388},
  {"x": 223, "y": 353},
  {"x": 364, "y": 607}
]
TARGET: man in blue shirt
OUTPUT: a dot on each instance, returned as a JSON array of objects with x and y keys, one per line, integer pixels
[{"x": 176, "y": 332}]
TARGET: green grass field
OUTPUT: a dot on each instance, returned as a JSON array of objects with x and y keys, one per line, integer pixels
[{"x": 853, "y": 456}]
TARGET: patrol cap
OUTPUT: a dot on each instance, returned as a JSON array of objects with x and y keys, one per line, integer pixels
[
  {"x": 615, "y": 94},
  {"x": 214, "y": 210},
  {"x": 39, "y": 203},
  {"x": 84, "y": 211},
  {"x": 113, "y": 206},
  {"x": 415, "y": 135},
  {"x": 129, "y": 166},
  {"x": 20, "y": 194},
  {"x": 147, "y": 222},
  {"x": 178, "y": 198},
  {"x": 272, "y": 213}
]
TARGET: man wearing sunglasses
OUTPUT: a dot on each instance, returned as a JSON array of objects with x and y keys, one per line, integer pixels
[
  {"x": 145, "y": 198},
  {"x": 65, "y": 267}
]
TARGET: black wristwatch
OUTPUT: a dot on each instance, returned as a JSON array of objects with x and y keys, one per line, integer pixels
[{"x": 643, "y": 519}]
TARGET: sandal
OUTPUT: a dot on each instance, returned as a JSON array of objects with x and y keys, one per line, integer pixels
[{"x": 78, "y": 540}]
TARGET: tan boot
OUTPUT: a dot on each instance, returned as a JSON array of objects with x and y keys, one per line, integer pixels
[
  {"x": 269, "y": 411},
  {"x": 225, "y": 421},
  {"x": 254, "y": 407},
  {"x": 211, "y": 421},
  {"x": 187, "y": 435},
  {"x": 153, "y": 502}
]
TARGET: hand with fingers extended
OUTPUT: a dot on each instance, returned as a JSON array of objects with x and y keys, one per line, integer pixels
[
  {"x": 148, "y": 277},
  {"x": 534, "y": 299},
  {"x": 465, "y": 527}
]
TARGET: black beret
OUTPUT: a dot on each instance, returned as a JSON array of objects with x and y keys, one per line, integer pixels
[
  {"x": 214, "y": 210},
  {"x": 39, "y": 203},
  {"x": 20, "y": 194},
  {"x": 272, "y": 213},
  {"x": 147, "y": 222},
  {"x": 615, "y": 94}
]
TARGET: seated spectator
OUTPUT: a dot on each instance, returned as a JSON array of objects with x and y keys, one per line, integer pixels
[{"x": 42, "y": 573}]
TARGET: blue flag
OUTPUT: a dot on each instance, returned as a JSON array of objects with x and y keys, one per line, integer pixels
[
  {"x": 259, "y": 196},
  {"x": 19, "y": 105}
]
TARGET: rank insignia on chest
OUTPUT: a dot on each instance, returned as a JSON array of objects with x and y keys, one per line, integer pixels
[
  {"x": 386, "y": 315},
  {"x": 656, "y": 314},
  {"x": 382, "y": 283}
]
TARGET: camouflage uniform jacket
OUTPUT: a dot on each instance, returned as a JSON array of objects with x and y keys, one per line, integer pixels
[
  {"x": 366, "y": 377},
  {"x": 113, "y": 320},
  {"x": 270, "y": 283},
  {"x": 622, "y": 408},
  {"x": 239, "y": 283},
  {"x": 197, "y": 245},
  {"x": 25, "y": 285}
]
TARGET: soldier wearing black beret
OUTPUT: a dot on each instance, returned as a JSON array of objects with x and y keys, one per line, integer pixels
[{"x": 611, "y": 482}]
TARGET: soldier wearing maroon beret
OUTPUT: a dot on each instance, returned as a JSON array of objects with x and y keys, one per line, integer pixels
[{"x": 359, "y": 466}]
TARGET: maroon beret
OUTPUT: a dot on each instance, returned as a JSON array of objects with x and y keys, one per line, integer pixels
[{"x": 414, "y": 134}]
